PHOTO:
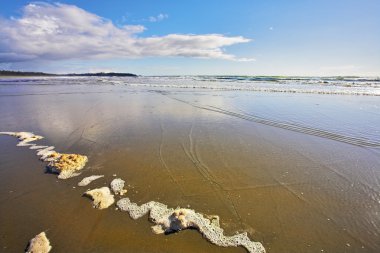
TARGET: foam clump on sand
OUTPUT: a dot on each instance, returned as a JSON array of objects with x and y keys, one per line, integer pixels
[
  {"x": 39, "y": 244},
  {"x": 170, "y": 220},
  {"x": 117, "y": 186},
  {"x": 102, "y": 197},
  {"x": 66, "y": 165},
  {"x": 87, "y": 180}
]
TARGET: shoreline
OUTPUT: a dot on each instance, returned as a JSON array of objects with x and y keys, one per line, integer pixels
[{"x": 254, "y": 176}]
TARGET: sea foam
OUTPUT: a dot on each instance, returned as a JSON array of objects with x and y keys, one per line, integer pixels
[
  {"x": 39, "y": 244},
  {"x": 65, "y": 165},
  {"x": 166, "y": 220},
  {"x": 170, "y": 220}
]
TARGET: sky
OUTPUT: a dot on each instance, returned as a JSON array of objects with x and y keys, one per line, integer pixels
[{"x": 197, "y": 37}]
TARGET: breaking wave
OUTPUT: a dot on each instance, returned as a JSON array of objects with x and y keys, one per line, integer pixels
[{"x": 316, "y": 85}]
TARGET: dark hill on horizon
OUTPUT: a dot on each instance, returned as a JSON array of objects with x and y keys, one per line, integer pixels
[{"x": 26, "y": 73}]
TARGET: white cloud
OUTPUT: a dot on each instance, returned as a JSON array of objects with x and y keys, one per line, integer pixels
[
  {"x": 60, "y": 32},
  {"x": 158, "y": 18}
]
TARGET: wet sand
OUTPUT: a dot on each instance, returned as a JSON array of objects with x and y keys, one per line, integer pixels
[{"x": 292, "y": 189}]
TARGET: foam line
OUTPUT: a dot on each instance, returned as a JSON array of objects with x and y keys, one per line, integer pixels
[
  {"x": 170, "y": 220},
  {"x": 166, "y": 220},
  {"x": 65, "y": 165}
]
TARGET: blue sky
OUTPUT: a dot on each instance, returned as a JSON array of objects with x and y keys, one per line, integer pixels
[{"x": 245, "y": 37}]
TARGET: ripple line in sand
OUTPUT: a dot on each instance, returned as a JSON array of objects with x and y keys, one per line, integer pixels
[
  {"x": 205, "y": 172},
  {"x": 357, "y": 141}
]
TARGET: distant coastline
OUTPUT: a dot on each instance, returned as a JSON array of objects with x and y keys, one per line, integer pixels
[{"x": 25, "y": 74}]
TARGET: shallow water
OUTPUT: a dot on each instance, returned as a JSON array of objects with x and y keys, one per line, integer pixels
[{"x": 298, "y": 172}]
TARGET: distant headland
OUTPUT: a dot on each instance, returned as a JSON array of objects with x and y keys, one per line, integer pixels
[{"x": 23, "y": 73}]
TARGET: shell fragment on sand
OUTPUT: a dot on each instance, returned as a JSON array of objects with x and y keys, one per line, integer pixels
[
  {"x": 39, "y": 244},
  {"x": 169, "y": 220},
  {"x": 87, "y": 180},
  {"x": 102, "y": 197},
  {"x": 117, "y": 186}
]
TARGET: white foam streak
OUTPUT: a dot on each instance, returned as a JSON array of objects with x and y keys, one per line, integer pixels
[
  {"x": 37, "y": 147},
  {"x": 65, "y": 165},
  {"x": 87, "y": 180},
  {"x": 169, "y": 220},
  {"x": 166, "y": 219}
]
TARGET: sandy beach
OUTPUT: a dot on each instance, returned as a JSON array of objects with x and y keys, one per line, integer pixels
[{"x": 299, "y": 172}]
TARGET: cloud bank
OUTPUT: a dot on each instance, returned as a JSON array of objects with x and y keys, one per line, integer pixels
[{"x": 60, "y": 32}]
